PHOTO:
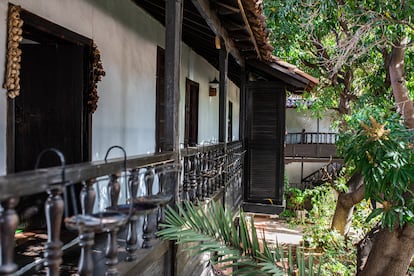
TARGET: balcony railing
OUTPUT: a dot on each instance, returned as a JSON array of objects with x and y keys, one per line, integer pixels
[
  {"x": 311, "y": 138},
  {"x": 122, "y": 199}
]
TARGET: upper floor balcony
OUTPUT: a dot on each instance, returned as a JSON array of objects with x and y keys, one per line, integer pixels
[{"x": 311, "y": 145}]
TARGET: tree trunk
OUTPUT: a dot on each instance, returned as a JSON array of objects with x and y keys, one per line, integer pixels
[
  {"x": 391, "y": 253},
  {"x": 392, "y": 250},
  {"x": 345, "y": 204},
  {"x": 399, "y": 89}
]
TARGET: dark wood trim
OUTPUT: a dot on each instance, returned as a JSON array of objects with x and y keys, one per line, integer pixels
[
  {"x": 292, "y": 80},
  {"x": 191, "y": 112},
  {"x": 223, "y": 68},
  {"x": 173, "y": 30},
  {"x": 58, "y": 33},
  {"x": 242, "y": 110},
  {"x": 10, "y": 134},
  {"x": 160, "y": 100}
]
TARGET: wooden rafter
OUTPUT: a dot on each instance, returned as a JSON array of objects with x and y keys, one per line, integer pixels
[
  {"x": 203, "y": 7},
  {"x": 246, "y": 22},
  {"x": 228, "y": 7}
]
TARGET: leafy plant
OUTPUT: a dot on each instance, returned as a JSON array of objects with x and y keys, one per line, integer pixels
[
  {"x": 230, "y": 245},
  {"x": 381, "y": 149}
]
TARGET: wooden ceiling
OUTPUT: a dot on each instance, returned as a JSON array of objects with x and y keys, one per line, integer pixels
[
  {"x": 198, "y": 35},
  {"x": 242, "y": 26}
]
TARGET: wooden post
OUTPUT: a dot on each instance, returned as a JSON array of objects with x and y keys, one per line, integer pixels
[
  {"x": 242, "y": 120},
  {"x": 173, "y": 25},
  {"x": 173, "y": 28},
  {"x": 8, "y": 225},
  {"x": 223, "y": 65}
]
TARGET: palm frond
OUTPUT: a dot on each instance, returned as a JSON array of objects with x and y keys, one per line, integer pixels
[{"x": 211, "y": 229}]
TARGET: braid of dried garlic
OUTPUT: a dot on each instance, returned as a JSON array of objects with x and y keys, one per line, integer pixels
[
  {"x": 14, "y": 28},
  {"x": 97, "y": 73}
]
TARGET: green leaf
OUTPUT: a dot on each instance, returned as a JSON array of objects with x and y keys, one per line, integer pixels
[{"x": 374, "y": 213}]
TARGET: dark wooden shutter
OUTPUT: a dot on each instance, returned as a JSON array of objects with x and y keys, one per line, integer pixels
[{"x": 265, "y": 140}]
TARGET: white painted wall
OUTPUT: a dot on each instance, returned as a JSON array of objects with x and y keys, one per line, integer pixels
[
  {"x": 127, "y": 38},
  {"x": 296, "y": 120},
  {"x": 293, "y": 170}
]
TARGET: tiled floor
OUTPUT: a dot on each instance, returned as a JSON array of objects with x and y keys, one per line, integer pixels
[{"x": 276, "y": 230}]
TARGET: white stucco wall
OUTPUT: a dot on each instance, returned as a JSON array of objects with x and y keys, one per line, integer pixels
[
  {"x": 127, "y": 38},
  {"x": 293, "y": 170},
  {"x": 296, "y": 121}
]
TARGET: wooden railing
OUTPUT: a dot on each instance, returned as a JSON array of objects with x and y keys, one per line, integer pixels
[
  {"x": 311, "y": 138},
  {"x": 107, "y": 190},
  {"x": 208, "y": 170}
]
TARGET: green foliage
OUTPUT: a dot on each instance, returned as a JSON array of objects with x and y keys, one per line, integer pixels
[
  {"x": 338, "y": 253},
  {"x": 295, "y": 198},
  {"x": 380, "y": 147},
  {"x": 214, "y": 231},
  {"x": 329, "y": 38}
]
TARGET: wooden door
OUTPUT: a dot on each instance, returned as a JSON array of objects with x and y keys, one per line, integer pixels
[
  {"x": 49, "y": 110},
  {"x": 160, "y": 137},
  {"x": 230, "y": 123},
  {"x": 265, "y": 127},
  {"x": 191, "y": 113}
]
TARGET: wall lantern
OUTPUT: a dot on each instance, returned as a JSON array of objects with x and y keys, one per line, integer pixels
[{"x": 213, "y": 86}]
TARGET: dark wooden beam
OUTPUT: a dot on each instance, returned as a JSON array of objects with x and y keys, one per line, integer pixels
[
  {"x": 228, "y": 7},
  {"x": 246, "y": 22},
  {"x": 173, "y": 28},
  {"x": 277, "y": 71},
  {"x": 223, "y": 67},
  {"x": 203, "y": 7}
]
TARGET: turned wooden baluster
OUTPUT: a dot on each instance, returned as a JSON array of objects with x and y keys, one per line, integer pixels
[
  {"x": 199, "y": 193},
  {"x": 132, "y": 234},
  {"x": 8, "y": 225},
  {"x": 151, "y": 219},
  {"x": 88, "y": 196},
  {"x": 186, "y": 179},
  {"x": 86, "y": 239},
  {"x": 111, "y": 249},
  {"x": 193, "y": 179},
  {"x": 53, "y": 249}
]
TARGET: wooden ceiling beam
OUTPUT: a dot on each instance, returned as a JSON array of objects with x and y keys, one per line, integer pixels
[
  {"x": 228, "y": 7},
  {"x": 212, "y": 20},
  {"x": 246, "y": 22}
]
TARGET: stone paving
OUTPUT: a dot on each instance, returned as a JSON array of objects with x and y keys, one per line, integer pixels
[{"x": 276, "y": 230}]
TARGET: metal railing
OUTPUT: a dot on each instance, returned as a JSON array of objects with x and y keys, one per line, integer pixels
[{"x": 311, "y": 138}]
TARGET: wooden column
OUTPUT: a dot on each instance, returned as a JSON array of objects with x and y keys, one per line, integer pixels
[
  {"x": 173, "y": 24},
  {"x": 173, "y": 27},
  {"x": 242, "y": 120},
  {"x": 223, "y": 65}
]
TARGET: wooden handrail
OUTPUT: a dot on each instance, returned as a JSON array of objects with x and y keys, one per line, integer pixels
[{"x": 36, "y": 181}]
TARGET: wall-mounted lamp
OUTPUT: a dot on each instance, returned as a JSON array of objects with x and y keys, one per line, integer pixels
[
  {"x": 213, "y": 86},
  {"x": 217, "y": 42}
]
